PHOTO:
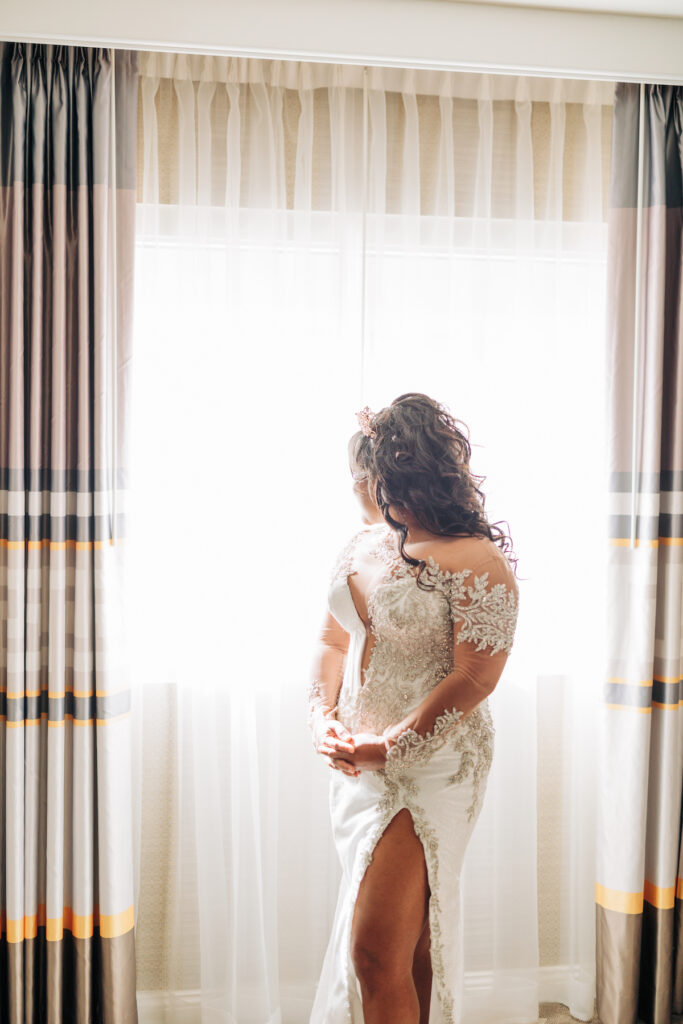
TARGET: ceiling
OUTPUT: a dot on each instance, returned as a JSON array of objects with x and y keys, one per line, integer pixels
[{"x": 652, "y": 8}]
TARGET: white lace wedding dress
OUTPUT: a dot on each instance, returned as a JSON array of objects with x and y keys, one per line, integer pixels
[{"x": 419, "y": 637}]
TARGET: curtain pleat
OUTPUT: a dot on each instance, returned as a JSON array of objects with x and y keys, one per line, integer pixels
[
  {"x": 67, "y": 949},
  {"x": 639, "y": 890}
]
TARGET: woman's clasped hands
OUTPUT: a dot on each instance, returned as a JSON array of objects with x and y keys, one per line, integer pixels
[{"x": 352, "y": 753}]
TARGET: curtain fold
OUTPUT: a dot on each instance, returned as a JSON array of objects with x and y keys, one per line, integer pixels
[
  {"x": 639, "y": 889},
  {"x": 312, "y": 237},
  {"x": 67, "y": 948}
]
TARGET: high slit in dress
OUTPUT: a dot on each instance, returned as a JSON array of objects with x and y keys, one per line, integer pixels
[{"x": 440, "y": 776}]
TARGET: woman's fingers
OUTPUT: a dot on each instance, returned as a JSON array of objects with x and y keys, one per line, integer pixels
[
  {"x": 344, "y": 766},
  {"x": 344, "y": 746},
  {"x": 344, "y": 742},
  {"x": 341, "y": 731},
  {"x": 332, "y": 749}
]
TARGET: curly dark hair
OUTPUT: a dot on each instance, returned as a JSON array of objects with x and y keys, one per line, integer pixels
[{"x": 418, "y": 460}]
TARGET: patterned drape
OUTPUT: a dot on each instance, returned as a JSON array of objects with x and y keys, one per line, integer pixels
[
  {"x": 639, "y": 889},
  {"x": 67, "y": 948}
]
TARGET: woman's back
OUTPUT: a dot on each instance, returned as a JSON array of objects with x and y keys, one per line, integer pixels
[{"x": 406, "y": 635}]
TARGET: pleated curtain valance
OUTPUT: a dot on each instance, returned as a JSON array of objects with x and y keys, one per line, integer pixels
[
  {"x": 295, "y": 74},
  {"x": 437, "y": 143}
]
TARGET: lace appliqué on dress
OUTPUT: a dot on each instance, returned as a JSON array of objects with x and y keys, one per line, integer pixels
[
  {"x": 411, "y": 642},
  {"x": 475, "y": 745},
  {"x": 411, "y": 748},
  {"x": 318, "y": 711},
  {"x": 473, "y": 741},
  {"x": 344, "y": 563},
  {"x": 488, "y": 614}
]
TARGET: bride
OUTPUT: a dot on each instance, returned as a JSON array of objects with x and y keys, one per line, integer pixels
[{"x": 422, "y": 609}]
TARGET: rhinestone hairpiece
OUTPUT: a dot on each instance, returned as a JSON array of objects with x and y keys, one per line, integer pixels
[{"x": 366, "y": 418}]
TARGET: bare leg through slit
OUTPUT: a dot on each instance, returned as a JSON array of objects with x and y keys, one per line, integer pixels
[{"x": 390, "y": 929}]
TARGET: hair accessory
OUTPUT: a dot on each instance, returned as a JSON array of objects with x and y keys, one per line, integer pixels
[{"x": 366, "y": 418}]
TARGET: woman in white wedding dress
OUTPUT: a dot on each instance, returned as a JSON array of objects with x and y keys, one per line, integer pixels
[{"x": 422, "y": 609}]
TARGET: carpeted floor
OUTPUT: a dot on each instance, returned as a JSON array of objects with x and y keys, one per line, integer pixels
[{"x": 555, "y": 1013}]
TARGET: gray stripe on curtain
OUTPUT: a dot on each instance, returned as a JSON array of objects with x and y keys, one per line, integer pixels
[
  {"x": 67, "y": 946},
  {"x": 639, "y": 887},
  {"x": 56, "y": 709}
]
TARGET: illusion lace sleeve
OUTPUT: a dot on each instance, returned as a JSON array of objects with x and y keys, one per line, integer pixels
[
  {"x": 483, "y": 607},
  {"x": 327, "y": 666},
  {"x": 327, "y": 672}
]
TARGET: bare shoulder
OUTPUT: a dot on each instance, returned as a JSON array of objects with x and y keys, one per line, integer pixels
[{"x": 477, "y": 554}]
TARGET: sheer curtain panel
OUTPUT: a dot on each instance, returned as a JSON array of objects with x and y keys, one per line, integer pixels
[{"x": 312, "y": 237}]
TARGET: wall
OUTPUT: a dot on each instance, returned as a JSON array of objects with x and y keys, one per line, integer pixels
[{"x": 421, "y": 33}]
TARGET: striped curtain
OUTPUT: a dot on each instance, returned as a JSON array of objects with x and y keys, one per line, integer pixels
[
  {"x": 67, "y": 949},
  {"x": 640, "y": 849}
]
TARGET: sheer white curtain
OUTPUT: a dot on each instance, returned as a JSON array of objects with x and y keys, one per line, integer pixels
[{"x": 312, "y": 237}]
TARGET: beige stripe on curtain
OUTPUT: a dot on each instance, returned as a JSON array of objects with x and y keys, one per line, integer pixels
[
  {"x": 639, "y": 886},
  {"x": 67, "y": 949}
]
